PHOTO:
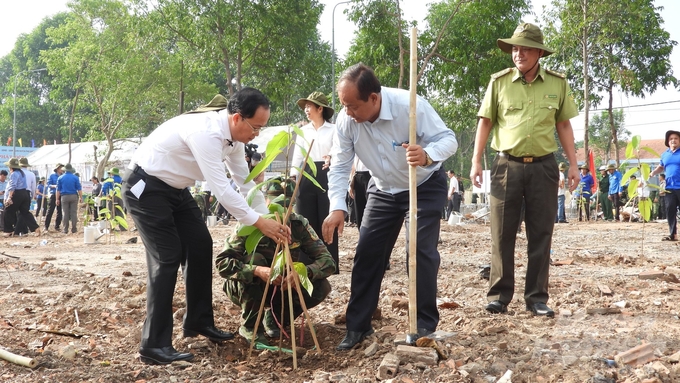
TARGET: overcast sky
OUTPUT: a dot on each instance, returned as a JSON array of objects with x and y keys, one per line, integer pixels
[{"x": 650, "y": 121}]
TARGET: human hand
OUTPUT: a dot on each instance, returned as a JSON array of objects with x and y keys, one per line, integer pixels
[
  {"x": 290, "y": 281},
  {"x": 415, "y": 155},
  {"x": 476, "y": 174},
  {"x": 274, "y": 230},
  {"x": 263, "y": 272},
  {"x": 335, "y": 220},
  {"x": 574, "y": 178},
  {"x": 327, "y": 162}
]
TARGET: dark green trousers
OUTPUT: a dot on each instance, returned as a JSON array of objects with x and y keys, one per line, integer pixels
[
  {"x": 511, "y": 183},
  {"x": 606, "y": 206}
]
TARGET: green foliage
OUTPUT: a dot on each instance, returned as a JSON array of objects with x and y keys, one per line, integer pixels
[
  {"x": 278, "y": 270},
  {"x": 114, "y": 220},
  {"x": 633, "y": 152}
]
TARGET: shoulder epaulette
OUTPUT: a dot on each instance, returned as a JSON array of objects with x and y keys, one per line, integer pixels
[
  {"x": 558, "y": 74},
  {"x": 501, "y": 73}
]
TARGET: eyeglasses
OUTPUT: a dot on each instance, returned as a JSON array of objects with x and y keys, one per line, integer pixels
[{"x": 255, "y": 130}]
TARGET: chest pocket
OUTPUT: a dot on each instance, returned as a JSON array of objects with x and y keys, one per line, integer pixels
[
  {"x": 547, "y": 111},
  {"x": 512, "y": 113}
]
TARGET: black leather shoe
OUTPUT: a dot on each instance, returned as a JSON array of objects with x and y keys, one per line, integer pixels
[
  {"x": 163, "y": 355},
  {"x": 352, "y": 338},
  {"x": 541, "y": 309},
  {"x": 423, "y": 332},
  {"x": 497, "y": 307},
  {"x": 211, "y": 332}
]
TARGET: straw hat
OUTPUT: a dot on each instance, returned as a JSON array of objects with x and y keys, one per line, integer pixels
[{"x": 13, "y": 163}]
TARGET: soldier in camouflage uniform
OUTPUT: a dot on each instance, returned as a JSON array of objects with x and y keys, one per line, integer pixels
[{"x": 246, "y": 274}]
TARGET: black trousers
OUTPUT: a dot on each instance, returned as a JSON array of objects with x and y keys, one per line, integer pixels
[
  {"x": 18, "y": 217},
  {"x": 174, "y": 234},
  {"x": 672, "y": 203},
  {"x": 50, "y": 210},
  {"x": 361, "y": 180},
  {"x": 382, "y": 222},
  {"x": 615, "y": 202},
  {"x": 313, "y": 204}
]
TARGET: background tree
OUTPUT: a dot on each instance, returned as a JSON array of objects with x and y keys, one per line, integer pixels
[
  {"x": 121, "y": 75},
  {"x": 625, "y": 46},
  {"x": 600, "y": 132},
  {"x": 38, "y": 114},
  {"x": 273, "y": 46},
  {"x": 466, "y": 56}
]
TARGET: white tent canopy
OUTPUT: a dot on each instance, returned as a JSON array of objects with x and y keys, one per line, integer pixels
[{"x": 45, "y": 158}]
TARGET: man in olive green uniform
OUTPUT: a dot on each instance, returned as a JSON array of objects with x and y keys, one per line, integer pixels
[
  {"x": 604, "y": 195},
  {"x": 521, "y": 110},
  {"x": 246, "y": 274}
]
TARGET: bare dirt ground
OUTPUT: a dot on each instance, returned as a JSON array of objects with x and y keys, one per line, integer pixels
[{"x": 77, "y": 309}]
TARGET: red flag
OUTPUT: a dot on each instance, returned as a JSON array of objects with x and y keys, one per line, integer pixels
[
  {"x": 9, "y": 141},
  {"x": 591, "y": 165}
]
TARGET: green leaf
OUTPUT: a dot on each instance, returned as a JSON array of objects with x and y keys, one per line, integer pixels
[
  {"x": 629, "y": 173},
  {"x": 278, "y": 142},
  {"x": 644, "y": 171},
  {"x": 651, "y": 151},
  {"x": 632, "y": 188},
  {"x": 257, "y": 189},
  {"x": 301, "y": 270},
  {"x": 635, "y": 140},
  {"x": 275, "y": 207},
  {"x": 253, "y": 240},
  {"x": 645, "y": 207},
  {"x": 268, "y": 158},
  {"x": 630, "y": 150},
  {"x": 244, "y": 230},
  {"x": 121, "y": 221},
  {"x": 314, "y": 181},
  {"x": 299, "y": 133},
  {"x": 277, "y": 266}
]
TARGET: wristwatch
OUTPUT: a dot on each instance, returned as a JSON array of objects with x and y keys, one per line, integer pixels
[{"x": 428, "y": 160}]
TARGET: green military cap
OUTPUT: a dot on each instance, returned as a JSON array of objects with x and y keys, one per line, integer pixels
[
  {"x": 562, "y": 166},
  {"x": 611, "y": 167},
  {"x": 525, "y": 35},
  {"x": 23, "y": 161},
  {"x": 218, "y": 102},
  {"x": 319, "y": 99}
]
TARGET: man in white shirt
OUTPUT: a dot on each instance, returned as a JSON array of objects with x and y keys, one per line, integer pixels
[
  {"x": 453, "y": 189},
  {"x": 374, "y": 125},
  {"x": 561, "y": 215},
  {"x": 190, "y": 147}
]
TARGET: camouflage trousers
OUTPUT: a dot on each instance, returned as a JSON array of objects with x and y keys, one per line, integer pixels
[{"x": 249, "y": 296}]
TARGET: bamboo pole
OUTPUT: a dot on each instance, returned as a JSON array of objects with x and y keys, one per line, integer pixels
[
  {"x": 290, "y": 271},
  {"x": 413, "y": 195},
  {"x": 278, "y": 246},
  {"x": 18, "y": 359}
]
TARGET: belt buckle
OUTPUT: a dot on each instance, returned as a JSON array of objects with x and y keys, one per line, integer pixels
[{"x": 528, "y": 160}]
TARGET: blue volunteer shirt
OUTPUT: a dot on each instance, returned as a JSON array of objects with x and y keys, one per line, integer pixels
[
  {"x": 16, "y": 181},
  {"x": 68, "y": 184},
  {"x": 615, "y": 182},
  {"x": 41, "y": 189},
  {"x": 671, "y": 164},
  {"x": 52, "y": 183},
  {"x": 586, "y": 184},
  {"x": 109, "y": 185}
]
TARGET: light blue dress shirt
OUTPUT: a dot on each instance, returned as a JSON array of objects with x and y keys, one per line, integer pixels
[{"x": 377, "y": 145}]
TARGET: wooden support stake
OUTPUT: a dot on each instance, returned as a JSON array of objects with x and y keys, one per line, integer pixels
[
  {"x": 413, "y": 192},
  {"x": 303, "y": 304},
  {"x": 289, "y": 271},
  {"x": 18, "y": 359}
]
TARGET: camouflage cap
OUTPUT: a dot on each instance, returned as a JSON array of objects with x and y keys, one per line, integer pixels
[{"x": 277, "y": 186}]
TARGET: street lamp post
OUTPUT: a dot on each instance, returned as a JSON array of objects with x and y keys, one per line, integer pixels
[
  {"x": 333, "y": 52},
  {"x": 14, "y": 128}
]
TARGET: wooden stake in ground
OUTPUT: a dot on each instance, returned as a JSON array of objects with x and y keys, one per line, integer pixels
[
  {"x": 413, "y": 197},
  {"x": 18, "y": 359}
]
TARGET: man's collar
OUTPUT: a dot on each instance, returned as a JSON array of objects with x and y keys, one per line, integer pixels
[{"x": 518, "y": 75}]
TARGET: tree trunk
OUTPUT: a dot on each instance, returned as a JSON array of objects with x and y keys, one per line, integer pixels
[
  {"x": 586, "y": 84},
  {"x": 610, "y": 109}
]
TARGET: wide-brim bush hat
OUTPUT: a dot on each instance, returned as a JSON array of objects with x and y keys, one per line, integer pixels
[
  {"x": 114, "y": 171},
  {"x": 23, "y": 161},
  {"x": 611, "y": 167},
  {"x": 668, "y": 135},
  {"x": 13, "y": 163},
  {"x": 69, "y": 168},
  {"x": 525, "y": 35},
  {"x": 562, "y": 166},
  {"x": 584, "y": 166},
  {"x": 318, "y": 99}
]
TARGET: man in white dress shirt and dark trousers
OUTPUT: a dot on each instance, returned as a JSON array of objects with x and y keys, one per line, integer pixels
[
  {"x": 374, "y": 125},
  {"x": 193, "y": 146}
]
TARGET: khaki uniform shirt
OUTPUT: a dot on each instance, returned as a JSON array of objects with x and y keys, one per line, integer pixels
[{"x": 524, "y": 116}]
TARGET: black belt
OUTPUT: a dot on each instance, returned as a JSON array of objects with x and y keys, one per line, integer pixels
[
  {"x": 363, "y": 172},
  {"x": 526, "y": 160}
]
